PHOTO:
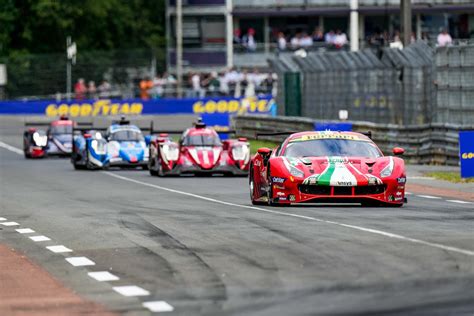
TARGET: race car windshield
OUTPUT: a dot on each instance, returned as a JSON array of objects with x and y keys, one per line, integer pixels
[
  {"x": 127, "y": 135},
  {"x": 332, "y": 147},
  {"x": 61, "y": 129},
  {"x": 201, "y": 140}
]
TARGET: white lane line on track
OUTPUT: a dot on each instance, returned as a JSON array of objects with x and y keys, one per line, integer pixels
[
  {"x": 80, "y": 261},
  {"x": 429, "y": 197},
  {"x": 58, "y": 249},
  {"x": 11, "y": 148},
  {"x": 359, "y": 228},
  {"x": 3, "y": 219},
  {"x": 103, "y": 276},
  {"x": 25, "y": 230},
  {"x": 9, "y": 223},
  {"x": 458, "y": 201},
  {"x": 131, "y": 290},
  {"x": 39, "y": 238},
  {"x": 158, "y": 306}
]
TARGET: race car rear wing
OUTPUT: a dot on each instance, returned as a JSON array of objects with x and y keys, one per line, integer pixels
[{"x": 368, "y": 134}]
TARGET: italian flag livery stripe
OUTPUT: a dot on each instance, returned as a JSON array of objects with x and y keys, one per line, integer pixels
[{"x": 340, "y": 172}]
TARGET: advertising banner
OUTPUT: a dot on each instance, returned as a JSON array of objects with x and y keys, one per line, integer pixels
[{"x": 466, "y": 153}]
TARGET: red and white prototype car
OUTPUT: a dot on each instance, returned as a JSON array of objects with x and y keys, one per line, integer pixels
[
  {"x": 312, "y": 167},
  {"x": 200, "y": 151}
]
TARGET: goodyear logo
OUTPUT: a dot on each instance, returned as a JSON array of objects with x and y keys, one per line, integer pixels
[
  {"x": 247, "y": 105},
  {"x": 98, "y": 108},
  {"x": 467, "y": 156}
]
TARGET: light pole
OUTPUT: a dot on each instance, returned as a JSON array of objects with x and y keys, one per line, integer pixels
[
  {"x": 354, "y": 25},
  {"x": 405, "y": 8},
  {"x": 179, "y": 48}
]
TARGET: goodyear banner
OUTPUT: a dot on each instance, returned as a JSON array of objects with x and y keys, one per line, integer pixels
[
  {"x": 466, "y": 153},
  {"x": 229, "y": 106}
]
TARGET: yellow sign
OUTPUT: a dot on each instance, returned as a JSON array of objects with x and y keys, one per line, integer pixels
[
  {"x": 247, "y": 105},
  {"x": 98, "y": 108},
  {"x": 467, "y": 156}
]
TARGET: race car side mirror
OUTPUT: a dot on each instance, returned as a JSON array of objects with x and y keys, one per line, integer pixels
[
  {"x": 397, "y": 151},
  {"x": 264, "y": 151}
]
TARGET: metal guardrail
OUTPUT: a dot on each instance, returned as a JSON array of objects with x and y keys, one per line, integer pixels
[{"x": 424, "y": 144}]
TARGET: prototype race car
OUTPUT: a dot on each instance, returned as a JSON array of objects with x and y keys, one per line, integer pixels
[
  {"x": 312, "y": 167},
  {"x": 57, "y": 140},
  {"x": 122, "y": 145},
  {"x": 200, "y": 151}
]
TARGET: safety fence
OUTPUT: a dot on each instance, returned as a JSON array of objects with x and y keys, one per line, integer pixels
[
  {"x": 424, "y": 144},
  {"x": 417, "y": 85}
]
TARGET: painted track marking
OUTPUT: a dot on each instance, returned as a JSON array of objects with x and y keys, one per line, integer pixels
[
  {"x": 39, "y": 238},
  {"x": 131, "y": 290},
  {"x": 3, "y": 219},
  {"x": 58, "y": 249},
  {"x": 25, "y": 230},
  {"x": 103, "y": 276},
  {"x": 359, "y": 228},
  {"x": 80, "y": 261},
  {"x": 429, "y": 197},
  {"x": 9, "y": 223},
  {"x": 158, "y": 306},
  {"x": 11, "y": 148}
]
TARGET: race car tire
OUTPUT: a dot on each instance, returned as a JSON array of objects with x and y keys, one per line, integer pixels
[
  {"x": 152, "y": 163},
  {"x": 79, "y": 167},
  {"x": 27, "y": 155}
]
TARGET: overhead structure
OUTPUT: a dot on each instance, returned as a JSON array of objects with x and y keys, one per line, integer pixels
[
  {"x": 354, "y": 25},
  {"x": 405, "y": 13},
  {"x": 179, "y": 48}
]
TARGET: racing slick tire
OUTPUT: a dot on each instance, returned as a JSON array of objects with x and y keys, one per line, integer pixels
[
  {"x": 154, "y": 166},
  {"x": 79, "y": 167},
  {"x": 252, "y": 188}
]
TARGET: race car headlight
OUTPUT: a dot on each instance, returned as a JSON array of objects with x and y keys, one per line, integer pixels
[
  {"x": 99, "y": 147},
  {"x": 170, "y": 152},
  {"x": 240, "y": 153},
  {"x": 40, "y": 140},
  {"x": 387, "y": 171}
]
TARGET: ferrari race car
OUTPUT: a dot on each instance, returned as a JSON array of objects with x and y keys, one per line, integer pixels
[
  {"x": 56, "y": 140},
  {"x": 327, "y": 167},
  {"x": 122, "y": 145},
  {"x": 200, "y": 151}
]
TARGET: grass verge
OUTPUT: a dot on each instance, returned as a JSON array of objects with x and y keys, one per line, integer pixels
[{"x": 449, "y": 176}]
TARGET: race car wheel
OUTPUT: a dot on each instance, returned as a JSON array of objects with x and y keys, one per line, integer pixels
[
  {"x": 79, "y": 167},
  {"x": 152, "y": 165},
  {"x": 252, "y": 189}
]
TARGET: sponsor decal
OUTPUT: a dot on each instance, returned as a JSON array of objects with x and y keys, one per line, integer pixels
[
  {"x": 402, "y": 180},
  {"x": 318, "y": 136},
  {"x": 398, "y": 198},
  {"x": 246, "y": 105},
  {"x": 390, "y": 198},
  {"x": 282, "y": 198},
  {"x": 292, "y": 197},
  {"x": 467, "y": 156},
  {"x": 311, "y": 180},
  {"x": 398, "y": 194},
  {"x": 279, "y": 187},
  {"x": 281, "y": 194},
  {"x": 257, "y": 163},
  {"x": 344, "y": 183},
  {"x": 401, "y": 187},
  {"x": 278, "y": 180},
  {"x": 96, "y": 108}
]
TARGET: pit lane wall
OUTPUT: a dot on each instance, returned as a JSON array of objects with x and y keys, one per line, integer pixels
[{"x": 424, "y": 144}]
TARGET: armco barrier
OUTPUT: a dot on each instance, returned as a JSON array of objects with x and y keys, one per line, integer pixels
[{"x": 424, "y": 144}]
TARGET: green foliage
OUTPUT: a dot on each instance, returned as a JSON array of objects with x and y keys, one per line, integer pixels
[
  {"x": 449, "y": 176},
  {"x": 41, "y": 26}
]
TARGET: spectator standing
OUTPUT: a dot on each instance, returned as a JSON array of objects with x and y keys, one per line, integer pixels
[
  {"x": 92, "y": 90},
  {"x": 248, "y": 40},
  {"x": 318, "y": 35},
  {"x": 212, "y": 84},
  {"x": 330, "y": 37},
  {"x": 196, "y": 86},
  {"x": 281, "y": 41},
  {"x": 104, "y": 89},
  {"x": 295, "y": 41},
  {"x": 340, "y": 39},
  {"x": 444, "y": 39},
  {"x": 145, "y": 86},
  {"x": 306, "y": 41},
  {"x": 157, "y": 90},
  {"x": 80, "y": 89}
]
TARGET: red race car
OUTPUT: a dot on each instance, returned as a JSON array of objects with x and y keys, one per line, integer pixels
[
  {"x": 200, "y": 151},
  {"x": 327, "y": 167}
]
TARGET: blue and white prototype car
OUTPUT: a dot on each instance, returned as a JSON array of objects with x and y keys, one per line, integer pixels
[{"x": 122, "y": 145}]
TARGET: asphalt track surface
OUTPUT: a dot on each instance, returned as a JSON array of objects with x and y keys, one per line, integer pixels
[{"x": 198, "y": 244}]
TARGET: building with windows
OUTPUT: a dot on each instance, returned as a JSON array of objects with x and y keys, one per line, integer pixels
[{"x": 244, "y": 33}]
